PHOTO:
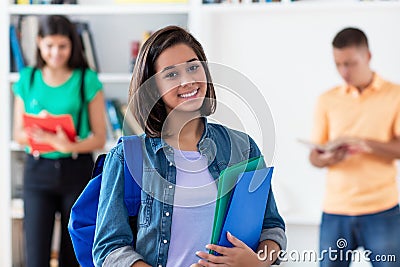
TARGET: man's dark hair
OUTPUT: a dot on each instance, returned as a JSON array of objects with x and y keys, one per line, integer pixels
[{"x": 350, "y": 37}]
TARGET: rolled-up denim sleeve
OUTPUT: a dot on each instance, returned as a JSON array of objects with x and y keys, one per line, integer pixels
[
  {"x": 273, "y": 225},
  {"x": 113, "y": 236},
  {"x": 272, "y": 218},
  {"x": 124, "y": 256},
  {"x": 278, "y": 236}
]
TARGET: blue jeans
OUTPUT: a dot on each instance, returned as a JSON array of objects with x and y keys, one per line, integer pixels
[{"x": 378, "y": 234}]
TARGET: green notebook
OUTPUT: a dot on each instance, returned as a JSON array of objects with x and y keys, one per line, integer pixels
[{"x": 226, "y": 182}]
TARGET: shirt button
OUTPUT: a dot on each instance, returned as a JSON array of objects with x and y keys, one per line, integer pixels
[
  {"x": 170, "y": 186},
  {"x": 167, "y": 214},
  {"x": 159, "y": 265},
  {"x": 170, "y": 164},
  {"x": 165, "y": 241}
]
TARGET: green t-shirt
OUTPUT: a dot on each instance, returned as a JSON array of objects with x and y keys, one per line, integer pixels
[{"x": 58, "y": 100}]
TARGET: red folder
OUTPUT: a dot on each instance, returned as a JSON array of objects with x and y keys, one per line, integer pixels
[{"x": 49, "y": 123}]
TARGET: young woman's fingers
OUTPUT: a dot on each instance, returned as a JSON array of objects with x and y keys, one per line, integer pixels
[
  {"x": 221, "y": 250},
  {"x": 235, "y": 241},
  {"x": 210, "y": 257}
]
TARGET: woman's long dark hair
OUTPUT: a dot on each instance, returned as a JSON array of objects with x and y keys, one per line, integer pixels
[
  {"x": 151, "y": 116},
  {"x": 61, "y": 25}
]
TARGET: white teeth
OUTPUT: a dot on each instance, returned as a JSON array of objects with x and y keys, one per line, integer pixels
[{"x": 189, "y": 94}]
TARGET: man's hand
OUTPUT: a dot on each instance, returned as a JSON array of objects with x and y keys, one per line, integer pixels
[
  {"x": 324, "y": 159},
  {"x": 359, "y": 146}
]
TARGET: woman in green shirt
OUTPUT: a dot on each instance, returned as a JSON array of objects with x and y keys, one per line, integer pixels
[{"x": 59, "y": 84}]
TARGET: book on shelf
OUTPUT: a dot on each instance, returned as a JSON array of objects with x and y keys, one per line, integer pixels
[
  {"x": 16, "y": 49},
  {"x": 237, "y": 1},
  {"x": 120, "y": 121},
  {"x": 212, "y": 1},
  {"x": 13, "y": 68},
  {"x": 29, "y": 29},
  {"x": 44, "y": 2},
  {"x": 135, "y": 47},
  {"x": 119, "y": 107},
  {"x": 112, "y": 116},
  {"x": 150, "y": 1},
  {"x": 109, "y": 128},
  {"x": 88, "y": 45},
  {"x": 130, "y": 121},
  {"x": 63, "y": 2}
]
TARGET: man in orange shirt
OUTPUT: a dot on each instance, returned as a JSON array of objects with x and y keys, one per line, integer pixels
[{"x": 361, "y": 201}]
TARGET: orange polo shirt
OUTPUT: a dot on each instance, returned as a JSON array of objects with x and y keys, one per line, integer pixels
[{"x": 362, "y": 183}]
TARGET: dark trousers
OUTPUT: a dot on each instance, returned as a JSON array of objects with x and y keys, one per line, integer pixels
[{"x": 51, "y": 186}]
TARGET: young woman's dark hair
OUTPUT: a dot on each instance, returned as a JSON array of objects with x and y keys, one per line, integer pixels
[
  {"x": 350, "y": 37},
  {"x": 148, "y": 107},
  {"x": 61, "y": 25}
]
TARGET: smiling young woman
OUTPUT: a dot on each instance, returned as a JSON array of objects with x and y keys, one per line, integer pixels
[
  {"x": 171, "y": 95},
  {"x": 54, "y": 179}
]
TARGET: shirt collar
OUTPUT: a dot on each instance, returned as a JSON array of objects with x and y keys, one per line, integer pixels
[
  {"x": 375, "y": 85},
  {"x": 158, "y": 143}
]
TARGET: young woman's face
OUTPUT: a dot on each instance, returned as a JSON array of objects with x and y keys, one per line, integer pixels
[
  {"x": 181, "y": 79},
  {"x": 55, "y": 50}
]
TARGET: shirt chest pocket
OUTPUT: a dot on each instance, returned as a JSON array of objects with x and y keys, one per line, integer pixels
[
  {"x": 147, "y": 198},
  {"x": 146, "y": 207}
]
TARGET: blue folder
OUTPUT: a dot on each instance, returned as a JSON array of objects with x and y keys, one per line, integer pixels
[
  {"x": 246, "y": 209},
  {"x": 226, "y": 183}
]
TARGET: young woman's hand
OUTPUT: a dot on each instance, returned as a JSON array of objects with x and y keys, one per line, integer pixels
[
  {"x": 58, "y": 140},
  {"x": 240, "y": 255},
  {"x": 38, "y": 135},
  {"x": 140, "y": 264}
]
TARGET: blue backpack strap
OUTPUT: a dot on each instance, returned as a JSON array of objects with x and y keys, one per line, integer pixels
[{"x": 133, "y": 171}]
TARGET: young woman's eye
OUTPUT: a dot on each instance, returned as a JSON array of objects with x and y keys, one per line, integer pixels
[
  {"x": 193, "y": 68},
  {"x": 171, "y": 75}
]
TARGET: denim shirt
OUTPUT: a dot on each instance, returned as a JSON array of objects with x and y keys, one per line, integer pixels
[{"x": 113, "y": 239}]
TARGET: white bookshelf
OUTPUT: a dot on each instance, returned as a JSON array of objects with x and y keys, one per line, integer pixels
[
  {"x": 108, "y": 9},
  {"x": 5, "y": 124},
  {"x": 298, "y": 6}
]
